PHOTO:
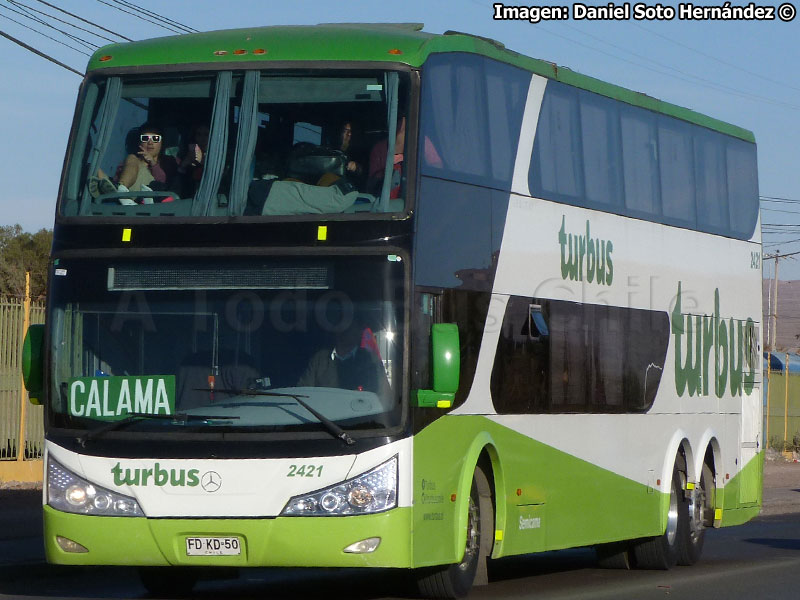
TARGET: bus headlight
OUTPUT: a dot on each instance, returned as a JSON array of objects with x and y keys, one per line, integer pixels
[
  {"x": 69, "y": 493},
  {"x": 371, "y": 492}
]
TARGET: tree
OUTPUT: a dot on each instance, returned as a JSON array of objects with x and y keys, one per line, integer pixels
[{"x": 21, "y": 251}]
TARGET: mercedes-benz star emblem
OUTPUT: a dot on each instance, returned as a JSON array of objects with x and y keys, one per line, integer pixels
[{"x": 211, "y": 481}]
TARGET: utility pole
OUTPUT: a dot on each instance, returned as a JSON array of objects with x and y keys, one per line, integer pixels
[{"x": 773, "y": 317}]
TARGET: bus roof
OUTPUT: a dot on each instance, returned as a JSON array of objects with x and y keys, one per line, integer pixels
[{"x": 404, "y": 43}]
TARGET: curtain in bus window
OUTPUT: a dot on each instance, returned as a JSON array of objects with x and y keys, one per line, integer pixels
[
  {"x": 569, "y": 335},
  {"x": 608, "y": 354},
  {"x": 556, "y": 165},
  {"x": 456, "y": 117},
  {"x": 600, "y": 150},
  {"x": 639, "y": 161},
  {"x": 742, "y": 187},
  {"x": 506, "y": 94},
  {"x": 105, "y": 121},
  {"x": 676, "y": 163},
  {"x": 217, "y": 147},
  {"x": 391, "y": 84},
  {"x": 472, "y": 110},
  {"x": 712, "y": 191},
  {"x": 246, "y": 146},
  {"x": 108, "y": 113}
]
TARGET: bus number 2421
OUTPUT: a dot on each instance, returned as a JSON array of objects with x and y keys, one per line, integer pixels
[{"x": 305, "y": 471}]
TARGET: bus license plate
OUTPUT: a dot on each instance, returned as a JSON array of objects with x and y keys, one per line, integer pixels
[{"x": 213, "y": 546}]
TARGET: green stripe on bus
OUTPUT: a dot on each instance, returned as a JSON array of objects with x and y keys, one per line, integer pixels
[{"x": 362, "y": 43}]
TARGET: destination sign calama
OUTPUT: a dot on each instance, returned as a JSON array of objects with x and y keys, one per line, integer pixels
[{"x": 111, "y": 398}]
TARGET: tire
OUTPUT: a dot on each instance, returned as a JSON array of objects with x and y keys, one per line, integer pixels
[
  {"x": 661, "y": 552},
  {"x": 616, "y": 555},
  {"x": 698, "y": 504},
  {"x": 455, "y": 581},
  {"x": 168, "y": 582}
]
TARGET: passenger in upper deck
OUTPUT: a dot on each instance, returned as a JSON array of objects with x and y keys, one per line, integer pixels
[
  {"x": 377, "y": 160},
  {"x": 148, "y": 167},
  {"x": 192, "y": 164},
  {"x": 345, "y": 145}
]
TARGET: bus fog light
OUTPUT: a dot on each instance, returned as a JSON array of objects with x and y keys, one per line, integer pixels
[
  {"x": 68, "y": 545},
  {"x": 364, "y": 546}
]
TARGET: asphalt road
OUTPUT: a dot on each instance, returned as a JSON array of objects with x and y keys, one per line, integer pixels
[{"x": 760, "y": 559}]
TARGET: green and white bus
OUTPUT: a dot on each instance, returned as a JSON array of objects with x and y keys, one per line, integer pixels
[{"x": 514, "y": 309}]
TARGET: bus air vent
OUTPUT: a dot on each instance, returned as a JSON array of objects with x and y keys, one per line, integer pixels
[{"x": 142, "y": 278}]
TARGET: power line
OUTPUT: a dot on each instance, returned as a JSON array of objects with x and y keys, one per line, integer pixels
[
  {"x": 715, "y": 84},
  {"x": 779, "y": 211},
  {"x": 74, "y": 16},
  {"x": 784, "y": 242},
  {"x": 778, "y": 199},
  {"x": 771, "y": 256},
  {"x": 39, "y": 53},
  {"x": 49, "y": 16},
  {"x": 693, "y": 79},
  {"x": 150, "y": 13},
  {"x": 138, "y": 16},
  {"x": 44, "y": 35},
  {"x": 738, "y": 67},
  {"x": 24, "y": 13}
]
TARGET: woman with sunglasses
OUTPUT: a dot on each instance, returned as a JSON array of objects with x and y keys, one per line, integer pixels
[{"x": 148, "y": 167}]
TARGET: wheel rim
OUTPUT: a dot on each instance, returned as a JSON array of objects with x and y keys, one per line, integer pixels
[
  {"x": 473, "y": 536},
  {"x": 672, "y": 515},
  {"x": 697, "y": 503}
]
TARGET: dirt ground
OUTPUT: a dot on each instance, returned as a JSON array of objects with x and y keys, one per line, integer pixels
[{"x": 781, "y": 486}]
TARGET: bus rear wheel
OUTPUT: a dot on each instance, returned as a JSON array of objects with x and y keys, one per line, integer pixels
[
  {"x": 661, "y": 552},
  {"x": 699, "y": 505},
  {"x": 455, "y": 581}
]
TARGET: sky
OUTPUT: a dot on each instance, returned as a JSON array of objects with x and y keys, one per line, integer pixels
[{"x": 743, "y": 72}]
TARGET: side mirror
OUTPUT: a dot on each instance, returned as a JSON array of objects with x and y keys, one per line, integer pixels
[
  {"x": 33, "y": 362},
  {"x": 446, "y": 355}
]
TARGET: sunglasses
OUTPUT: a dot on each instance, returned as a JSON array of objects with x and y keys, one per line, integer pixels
[{"x": 146, "y": 137}]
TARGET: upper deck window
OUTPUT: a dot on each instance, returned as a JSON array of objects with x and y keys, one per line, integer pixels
[
  {"x": 234, "y": 144},
  {"x": 594, "y": 152}
]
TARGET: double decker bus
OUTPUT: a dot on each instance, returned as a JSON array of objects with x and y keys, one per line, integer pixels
[{"x": 365, "y": 296}]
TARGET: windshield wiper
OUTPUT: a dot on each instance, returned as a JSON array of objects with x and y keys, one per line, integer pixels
[
  {"x": 332, "y": 427},
  {"x": 132, "y": 417}
]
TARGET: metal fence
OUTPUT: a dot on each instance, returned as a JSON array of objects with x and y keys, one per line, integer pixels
[
  {"x": 21, "y": 423},
  {"x": 782, "y": 410}
]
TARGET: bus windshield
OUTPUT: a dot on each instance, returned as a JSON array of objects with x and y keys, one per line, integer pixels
[
  {"x": 228, "y": 347},
  {"x": 240, "y": 144}
]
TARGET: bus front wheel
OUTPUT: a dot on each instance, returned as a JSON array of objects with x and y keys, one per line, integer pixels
[{"x": 455, "y": 581}]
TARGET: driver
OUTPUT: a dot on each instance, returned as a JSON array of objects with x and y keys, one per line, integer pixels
[{"x": 352, "y": 364}]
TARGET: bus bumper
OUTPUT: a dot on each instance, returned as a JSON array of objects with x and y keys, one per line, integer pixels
[{"x": 274, "y": 542}]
